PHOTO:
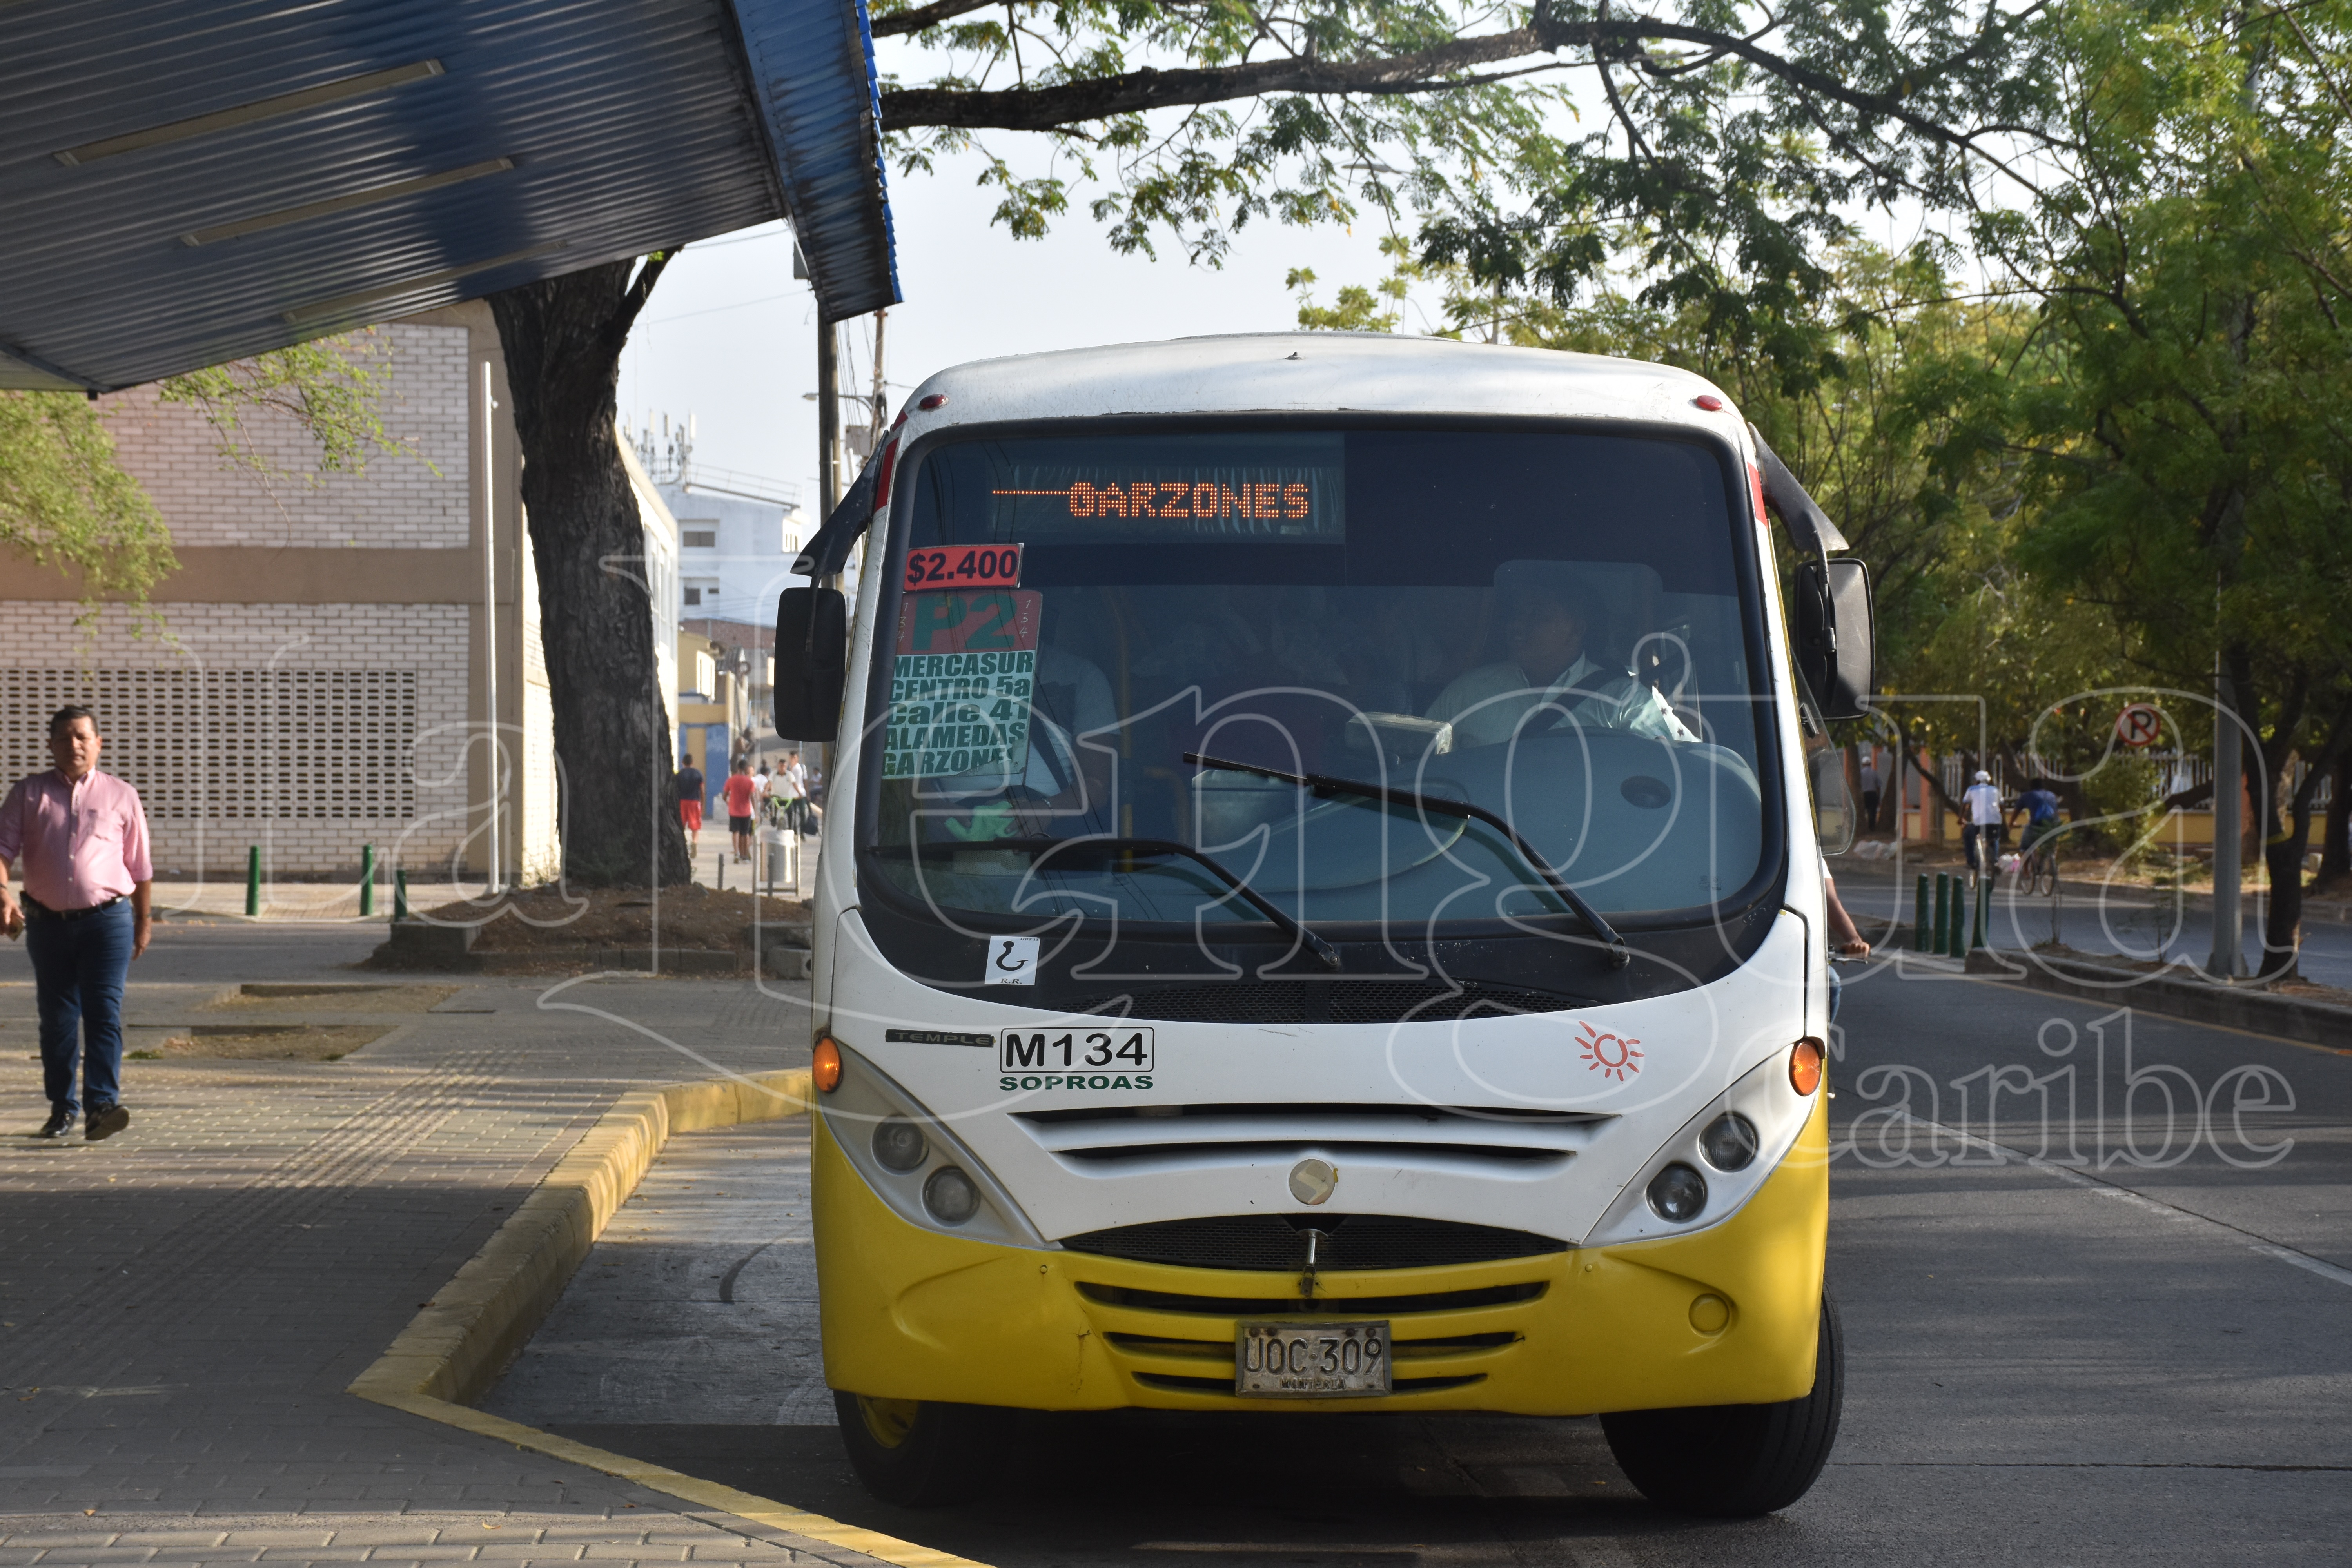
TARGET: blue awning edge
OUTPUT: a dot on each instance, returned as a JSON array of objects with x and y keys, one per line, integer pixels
[{"x": 820, "y": 101}]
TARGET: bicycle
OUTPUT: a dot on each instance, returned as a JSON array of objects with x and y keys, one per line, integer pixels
[{"x": 2038, "y": 875}]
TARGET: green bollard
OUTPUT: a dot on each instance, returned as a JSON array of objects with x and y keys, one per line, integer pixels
[
  {"x": 399, "y": 894},
  {"x": 1958, "y": 926},
  {"x": 1940, "y": 939},
  {"x": 367, "y": 880},
  {"x": 1984, "y": 899},
  {"x": 253, "y": 881},
  {"x": 1919, "y": 917}
]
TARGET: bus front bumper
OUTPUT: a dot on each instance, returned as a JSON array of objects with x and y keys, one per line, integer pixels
[{"x": 1726, "y": 1316}]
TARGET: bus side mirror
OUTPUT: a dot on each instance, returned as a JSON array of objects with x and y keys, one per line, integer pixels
[
  {"x": 1835, "y": 635},
  {"x": 811, "y": 660}
]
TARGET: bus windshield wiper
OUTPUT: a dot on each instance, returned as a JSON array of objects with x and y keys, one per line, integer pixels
[
  {"x": 1108, "y": 844},
  {"x": 1619, "y": 954}
]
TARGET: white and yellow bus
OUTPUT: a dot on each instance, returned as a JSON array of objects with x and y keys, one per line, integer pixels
[{"x": 1322, "y": 909}]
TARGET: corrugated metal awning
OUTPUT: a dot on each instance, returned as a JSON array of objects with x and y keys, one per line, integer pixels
[{"x": 185, "y": 182}]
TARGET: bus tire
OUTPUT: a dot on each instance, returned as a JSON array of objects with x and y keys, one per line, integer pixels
[
  {"x": 1735, "y": 1461},
  {"x": 919, "y": 1453}
]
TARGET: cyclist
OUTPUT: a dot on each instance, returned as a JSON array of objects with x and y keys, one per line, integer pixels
[
  {"x": 2039, "y": 806},
  {"x": 1980, "y": 834}
]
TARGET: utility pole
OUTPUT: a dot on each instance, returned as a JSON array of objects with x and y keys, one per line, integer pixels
[
  {"x": 881, "y": 416},
  {"x": 828, "y": 417},
  {"x": 490, "y": 620},
  {"x": 2229, "y": 960}
]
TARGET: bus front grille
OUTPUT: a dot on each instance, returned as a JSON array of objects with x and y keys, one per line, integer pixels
[
  {"x": 1345, "y": 1242},
  {"x": 1172, "y": 1138},
  {"x": 1276, "y": 1306},
  {"x": 1322, "y": 1002}
]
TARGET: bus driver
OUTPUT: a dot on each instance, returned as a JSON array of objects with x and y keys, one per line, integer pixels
[{"x": 1543, "y": 625}]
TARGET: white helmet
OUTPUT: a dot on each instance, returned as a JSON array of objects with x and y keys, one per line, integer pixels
[{"x": 1983, "y": 777}]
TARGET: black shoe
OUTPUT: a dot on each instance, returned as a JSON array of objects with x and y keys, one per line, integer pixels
[
  {"x": 60, "y": 1123},
  {"x": 105, "y": 1122}
]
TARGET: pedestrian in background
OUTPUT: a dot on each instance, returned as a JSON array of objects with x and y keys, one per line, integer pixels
[
  {"x": 740, "y": 806},
  {"x": 80, "y": 838},
  {"x": 1869, "y": 793},
  {"x": 691, "y": 791},
  {"x": 791, "y": 783},
  {"x": 1980, "y": 832}
]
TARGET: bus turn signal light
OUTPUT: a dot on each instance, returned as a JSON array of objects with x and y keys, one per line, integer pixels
[
  {"x": 1804, "y": 1067},
  {"x": 825, "y": 1064}
]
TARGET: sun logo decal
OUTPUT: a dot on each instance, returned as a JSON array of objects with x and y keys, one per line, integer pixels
[{"x": 1611, "y": 1055}]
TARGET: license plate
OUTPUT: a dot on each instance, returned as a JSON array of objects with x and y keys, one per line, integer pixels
[
  {"x": 1119, "y": 1049},
  {"x": 1320, "y": 1360}
]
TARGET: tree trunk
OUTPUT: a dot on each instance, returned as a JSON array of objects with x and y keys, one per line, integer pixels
[
  {"x": 2335, "y": 843},
  {"x": 612, "y": 749},
  {"x": 2284, "y": 843},
  {"x": 2287, "y": 838}
]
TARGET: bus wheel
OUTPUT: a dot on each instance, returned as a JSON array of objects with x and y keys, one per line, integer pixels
[
  {"x": 1733, "y": 1461},
  {"x": 918, "y": 1453}
]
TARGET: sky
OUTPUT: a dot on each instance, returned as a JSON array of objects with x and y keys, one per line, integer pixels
[{"x": 730, "y": 338}]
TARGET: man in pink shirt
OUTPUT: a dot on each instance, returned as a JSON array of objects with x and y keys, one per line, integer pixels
[{"x": 80, "y": 838}]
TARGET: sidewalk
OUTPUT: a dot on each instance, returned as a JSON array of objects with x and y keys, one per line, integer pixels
[
  {"x": 182, "y": 1307},
  {"x": 338, "y": 902}
]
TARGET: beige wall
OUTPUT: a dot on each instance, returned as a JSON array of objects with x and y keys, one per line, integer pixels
[{"x": 317, "y": 679}]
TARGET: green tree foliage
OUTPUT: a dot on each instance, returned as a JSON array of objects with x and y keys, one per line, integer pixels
[
  {"x": 1720, "y": 142},
  {"x": 67, "y": 504},
  {"x": 332, "y": 389},
  {"x": 2181, "y": 434}
]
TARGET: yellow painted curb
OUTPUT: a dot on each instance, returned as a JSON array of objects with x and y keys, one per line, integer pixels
[
  {"x": 453, "y": 1350},
  {"x": 674, "y": 1483}
]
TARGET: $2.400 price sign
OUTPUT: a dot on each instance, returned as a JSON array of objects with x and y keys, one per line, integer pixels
[{"x": 965, "y": 567}]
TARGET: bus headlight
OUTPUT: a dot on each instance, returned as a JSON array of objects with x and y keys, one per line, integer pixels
[
  {"x": 915, "y": 1161},
  {"x": 900, "y": 1144},
  {"x": 1713, "y": 1164},
  {"x": 1729, "y": 1141},
  {"x": 951, "y": 1196},
  {"x": 1677, "y": 1192}
]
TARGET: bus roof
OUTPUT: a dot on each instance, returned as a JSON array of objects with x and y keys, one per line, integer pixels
[{"x": 1319, "y": 373}]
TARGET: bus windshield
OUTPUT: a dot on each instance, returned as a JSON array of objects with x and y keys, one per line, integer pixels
[{"x": 1110, "y": 657}]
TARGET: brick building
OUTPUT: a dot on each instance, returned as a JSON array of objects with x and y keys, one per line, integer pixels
[{"x": 334, "y": 657}]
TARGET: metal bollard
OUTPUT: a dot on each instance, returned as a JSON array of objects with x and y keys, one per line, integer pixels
[
  {"x": 367, "y": 880},
  {"x": 399, "y": 894},
  {"x": 1919, "y": 917},
  {"x": 1959, "y": 924},
  {"x": 253, "y": 881},
  {"x": 1941, "y": 937},
  {"x": 1984, "y": 899}
]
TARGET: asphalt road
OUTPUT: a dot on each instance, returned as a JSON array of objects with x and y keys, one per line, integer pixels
[{"x": 2139, "y": 1357}]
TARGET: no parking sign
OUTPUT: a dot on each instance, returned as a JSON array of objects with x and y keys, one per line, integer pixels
[{"x": 2140, "y": 725}]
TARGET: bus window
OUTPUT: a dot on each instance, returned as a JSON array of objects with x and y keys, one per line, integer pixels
[{"x": 1545, "y": 625}]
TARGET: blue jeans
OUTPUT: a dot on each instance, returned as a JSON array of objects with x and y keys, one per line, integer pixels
[{"x": 79, "y": 970}]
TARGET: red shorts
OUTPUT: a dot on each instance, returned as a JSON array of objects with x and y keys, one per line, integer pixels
[{"x": 690, "y": 813}]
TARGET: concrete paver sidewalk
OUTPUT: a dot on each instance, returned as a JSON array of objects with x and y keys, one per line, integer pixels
[{"x": 182, "y": 1306}]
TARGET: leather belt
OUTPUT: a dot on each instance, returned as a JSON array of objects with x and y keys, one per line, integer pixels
[{"x": 35, "y": 906}]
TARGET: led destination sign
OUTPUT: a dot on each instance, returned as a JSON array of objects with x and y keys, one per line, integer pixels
[
  {"x": 1247, "y": 488},
  {"x": 1264, "y": 498}
]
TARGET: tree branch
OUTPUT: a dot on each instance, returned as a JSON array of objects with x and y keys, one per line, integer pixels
[
  {"x": 1422, "y": 70},
  {"x": 931, "y": 15}
]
